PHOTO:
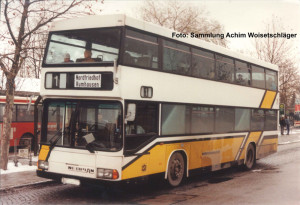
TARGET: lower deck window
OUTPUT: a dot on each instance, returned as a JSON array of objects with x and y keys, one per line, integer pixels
[
  {"x": 175, "y": 119},
  {"x": 144, "y": 126},
  {"x": 224, "y": 119}
]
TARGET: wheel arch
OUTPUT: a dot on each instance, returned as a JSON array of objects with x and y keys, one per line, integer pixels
[
  {"x": 24, "y": 135},
  {"x": 184, "y": 154},
  {"x": 27, "y": 133}
]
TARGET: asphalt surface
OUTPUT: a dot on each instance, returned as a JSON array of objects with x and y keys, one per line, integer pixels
[{"x": 275, "y": 180}]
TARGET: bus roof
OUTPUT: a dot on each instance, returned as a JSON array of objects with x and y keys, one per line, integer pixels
[
  {"x": 19, "y": 100},
  {"x": 114, "y": 20}
]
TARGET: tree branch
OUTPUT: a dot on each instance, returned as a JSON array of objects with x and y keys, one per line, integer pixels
[
  {"x": 8, "y": 23},
  {"x": 41, "y": 24}
]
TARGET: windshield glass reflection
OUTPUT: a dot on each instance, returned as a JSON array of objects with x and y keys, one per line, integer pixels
[
  {"x": 83, "y": 46},
  {"x": 92, "y": 125}
]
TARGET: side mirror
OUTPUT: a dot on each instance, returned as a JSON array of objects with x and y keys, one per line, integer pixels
[{"x": 130, "y": 115}]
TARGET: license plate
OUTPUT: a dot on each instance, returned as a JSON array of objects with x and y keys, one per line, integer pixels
[{"x": 70, "y": 181}]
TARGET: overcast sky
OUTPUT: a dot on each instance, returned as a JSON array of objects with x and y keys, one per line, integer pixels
[{"x": 237, "y": 16}]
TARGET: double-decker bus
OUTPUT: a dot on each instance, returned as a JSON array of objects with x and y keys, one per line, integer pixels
[
  {"x": 22, "y": 126},
  {"x": 126, "y": 100}
]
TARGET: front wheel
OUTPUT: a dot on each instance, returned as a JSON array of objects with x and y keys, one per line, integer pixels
[
  {"x": 176, "y": 169},
  {"x": 250, "y": 157}
]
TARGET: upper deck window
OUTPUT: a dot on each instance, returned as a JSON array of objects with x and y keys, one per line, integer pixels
[
  {"x": 258, "y": 77},
  {"x": 176, "y": 58},
  {"x": 140, "y": 50},
  {"x": 271, "y": 80},
  {"x": 91, "y": 46},
  {"x": 225, "y": 68},
  {"x": 203, "y": 64},
  {"x": 242, "y": 75}
]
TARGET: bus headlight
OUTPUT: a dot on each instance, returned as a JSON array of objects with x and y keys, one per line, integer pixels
[
  {"x": 43, "y": 165},
  {"x": 107, "y": 173}
]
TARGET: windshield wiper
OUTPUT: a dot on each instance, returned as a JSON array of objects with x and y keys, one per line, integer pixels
[{"x": 52, "y": 143}]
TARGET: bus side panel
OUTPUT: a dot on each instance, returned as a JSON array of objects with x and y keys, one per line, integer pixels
[
  {"x": 154, "y": 162},
  {"x": 137, "y": 168},
  {"x": 267, "y": 146},
  {"x": 209, "y": 153},
  {"x": 230, "y": 148},
  {"x": 157, "y": 163},
  {"x": 19, "y": 129},
  {"x": 213, "y": 153},
  {"x": 196, "y": 157},
  {"x": 253, "y": 137}
]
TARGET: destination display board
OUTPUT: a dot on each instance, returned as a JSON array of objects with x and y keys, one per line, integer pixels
[
  {"x": 79, "y": 81},
  {"x": 83, "y": 80}
]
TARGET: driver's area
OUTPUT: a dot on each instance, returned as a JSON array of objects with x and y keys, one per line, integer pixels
[{"x": 142, "y": 127}]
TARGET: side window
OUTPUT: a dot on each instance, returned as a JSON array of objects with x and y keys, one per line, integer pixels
[
  {"x": 257, "y": 120},
  {"x": 242, "y": 75},
  {"x": 14, "y": 114},
  {"x": 224, "y": 120},
  {"x": 25, "y": 115},
  {"x": 140, "y": 50},
  {"x": 242, "y": 119},
  {"x": 271, "y": 77},
  {"x": 203, "y": 64},
  {"x": 175, "y": 119},
  {"x": 1, "y": 112},
  {"x": 271, "y": 120},
  {"x": 144, "y": 126},
  {"x": 258, "y": 77},
  {"x": 176, "y": 58},
  {"x": 225, "y": 69},
  {"x": 202, "y": 119}
]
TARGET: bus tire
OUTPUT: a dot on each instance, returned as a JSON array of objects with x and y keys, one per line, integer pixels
[
  {"x": 250, "y": 157},
  {"x": 176, "y": 169}
]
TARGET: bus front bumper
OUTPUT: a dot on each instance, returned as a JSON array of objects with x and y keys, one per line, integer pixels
[{"x": 82, "y": 180}]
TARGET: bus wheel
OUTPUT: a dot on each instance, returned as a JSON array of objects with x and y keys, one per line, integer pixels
[
  {"x": 250, "y": 157},
  {"x": 175, "y": 169}
]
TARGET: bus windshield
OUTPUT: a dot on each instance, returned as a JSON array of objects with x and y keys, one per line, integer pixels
[
  {"x": 89, "y": 46},
  {"x": 93, "y": 125}
]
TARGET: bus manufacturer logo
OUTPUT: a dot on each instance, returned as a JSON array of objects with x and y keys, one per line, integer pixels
[
  {"x": 144, "y": 168},
  {"x": 81, "y": 169}
]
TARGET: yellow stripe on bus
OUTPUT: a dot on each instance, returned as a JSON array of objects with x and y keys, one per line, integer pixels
[
  {"x": 268, "y": 100},
  {"x": 199, "y": 154},
  {"x": 44, "y": 152}
]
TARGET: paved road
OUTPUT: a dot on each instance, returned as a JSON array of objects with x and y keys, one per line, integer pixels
[{"x": 275, "y": 180}]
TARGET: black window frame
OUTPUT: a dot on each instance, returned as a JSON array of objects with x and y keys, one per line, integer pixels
[
  {"x": 160, "y": 40},
  {"x": 96, "y": 64},
  {"x": 144, "y": 137},
  {"x": 214, "y": 120},
  {"x": 44, "y": 118}
]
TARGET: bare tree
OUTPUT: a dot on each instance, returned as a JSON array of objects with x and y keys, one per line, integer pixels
[
  {"x": 182, "y": 17},
  {"x": 23, "y": 20},
  {"x": 280, "y": 51}
]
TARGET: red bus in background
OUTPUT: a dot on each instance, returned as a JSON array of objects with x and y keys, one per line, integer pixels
[
  {"x": 22, "y": 120},
  {"x": 297, "y": 115}
]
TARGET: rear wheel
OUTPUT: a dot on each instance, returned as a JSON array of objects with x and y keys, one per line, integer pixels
[
  {"x": 250, "y": 157},
  {"x": 176, "y": 169},
  {"x": 26, "y": 142}
]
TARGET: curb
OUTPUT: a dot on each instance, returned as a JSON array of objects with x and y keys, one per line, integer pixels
[
  {"x": 288, "y": 142},
  {"x": 28, "y": 184}
]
